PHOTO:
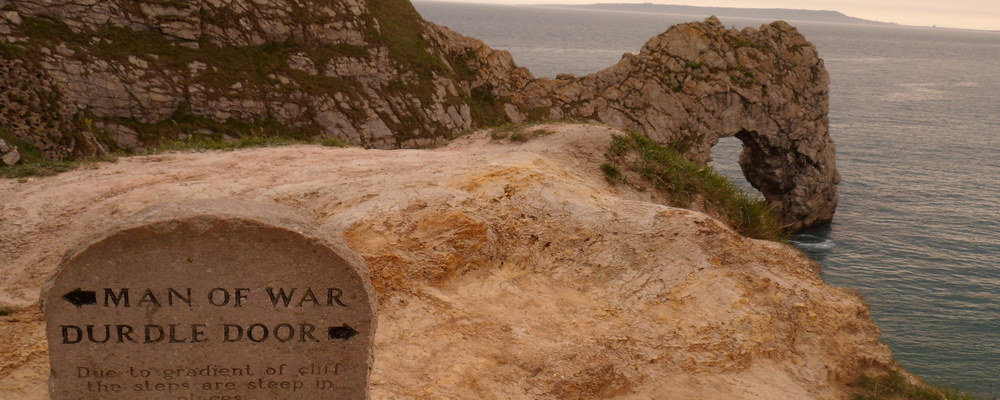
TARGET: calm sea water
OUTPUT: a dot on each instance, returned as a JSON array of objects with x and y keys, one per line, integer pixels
[{"x": 915, "y": 114}]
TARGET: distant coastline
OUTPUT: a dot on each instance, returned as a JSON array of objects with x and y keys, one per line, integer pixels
[
  {"x": 733, "y": 12},
  {"x": 771, "y": 14}
]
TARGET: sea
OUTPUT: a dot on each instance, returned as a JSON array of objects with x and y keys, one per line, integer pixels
[{"x": 915, "y": 116}]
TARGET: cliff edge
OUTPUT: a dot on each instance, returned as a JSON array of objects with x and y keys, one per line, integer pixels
[
  {"x": 81, "y": 78},
  {"x": 535, "y": 278}
]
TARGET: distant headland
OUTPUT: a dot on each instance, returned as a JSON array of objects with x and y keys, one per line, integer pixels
[{"x": 762, "y": 13}]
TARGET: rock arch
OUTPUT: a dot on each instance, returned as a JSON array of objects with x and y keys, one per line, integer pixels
[{"x": 696, "y": 83}]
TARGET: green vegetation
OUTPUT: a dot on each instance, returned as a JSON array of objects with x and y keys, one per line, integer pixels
[
  {"x": 50, "y": 167},
  {"x": 688, "y": 184},
  {"x": 183, "y": 122},
  {"x": 5, "y": 311},
  {"x": 45, "y": 167},
  {"x": 693, "y": 64},
  {"x": 746, "y": 72},
  {"x": 229, "y": 64},
  {"x": 29, "y": 152},
  {"x": 738, "y": 42},
  {"x": 537, "y": 114},
  {"x": 211, "y": 143},
  {"x": 401, "y": 31},
  {"x": 10, "y": 50},
  {"x": 613, "y": 174},
  {"x": 224, "y": 69},
  {"x": 34, "y": 163},
  {"x": 226, "y": 66},
  {"x": 743, "y": 76},
  {"x": 797, "y": 47},
  {"x": 485, "y": 108},
  {"x": 895, "y": 386}
]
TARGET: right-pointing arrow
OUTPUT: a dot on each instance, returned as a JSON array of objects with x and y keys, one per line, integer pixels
[
  {"x": 80, "y": 298},
  {"x": 343, "y": 332}
]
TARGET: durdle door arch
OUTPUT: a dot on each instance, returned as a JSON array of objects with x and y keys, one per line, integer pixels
[{"x": 698, "y": 82}]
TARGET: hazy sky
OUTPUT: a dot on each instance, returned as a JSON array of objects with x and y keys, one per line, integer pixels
[{"x": 971, "y": 14}]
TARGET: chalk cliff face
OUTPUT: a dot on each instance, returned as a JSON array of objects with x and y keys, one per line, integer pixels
[{"x": 84, "y": 77}]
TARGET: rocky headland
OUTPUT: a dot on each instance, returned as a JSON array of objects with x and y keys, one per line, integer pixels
[
  {"x": 82, "y": 78},
  {"x": 535, "y": 278}
]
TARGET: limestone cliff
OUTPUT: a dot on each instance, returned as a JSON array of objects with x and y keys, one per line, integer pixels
[
  {"x": 504, "y": 270},
  {"x": 83, "y": 77}
]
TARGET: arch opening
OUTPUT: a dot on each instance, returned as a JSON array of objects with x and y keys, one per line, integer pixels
[{"x": 726, "y": 160}]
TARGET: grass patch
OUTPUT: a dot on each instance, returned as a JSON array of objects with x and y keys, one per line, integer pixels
[
  {"x": 5, "y": 311},
  {"x": 687, "y": 184},
  {"x": 205, "y": 143},
  {"x": 10, "y": 50},
  {"x": 895, "y": 386},
  {"x": 613, "y": 174},
  {"x": 401, "y": 31},
  {"x": 26, "y": 148},
  {"x": 49, "y": 167},
  {"x": 207, "y": 133},
  {"x": 332, "y": 142},
  {"x": 485, "y": 108}
]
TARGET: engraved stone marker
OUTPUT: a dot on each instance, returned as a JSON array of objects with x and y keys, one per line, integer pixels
[{"x": 211, "y": 300}]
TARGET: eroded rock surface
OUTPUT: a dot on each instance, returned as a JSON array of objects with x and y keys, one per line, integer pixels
[
  {"x": 126, "y": 75},
  {"x": 503, "y": 271}
]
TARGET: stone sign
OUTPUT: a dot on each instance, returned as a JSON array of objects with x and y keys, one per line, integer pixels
[{"x": 211, "y": 300}]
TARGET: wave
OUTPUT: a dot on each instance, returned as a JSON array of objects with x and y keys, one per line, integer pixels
[
  {"x": 914, "y": 92},
  {"x": 812, "y": 242}
]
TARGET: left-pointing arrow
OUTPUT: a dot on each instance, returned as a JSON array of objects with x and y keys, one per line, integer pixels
[{"x": 80, "y": 298}]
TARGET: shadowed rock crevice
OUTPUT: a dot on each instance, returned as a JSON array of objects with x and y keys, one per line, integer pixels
[
  {"x": 779, "y": 173},
  {"x": 121, "y": 75}
]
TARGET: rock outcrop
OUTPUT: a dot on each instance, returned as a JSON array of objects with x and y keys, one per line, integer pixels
[
  {"x": 691, "y": 86},
  {"x": 534, "y": 277},
  {"x": 80, "y": 78},
  {"x": 9, "y": 155},
  {"x": 134, "y": 74}
]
